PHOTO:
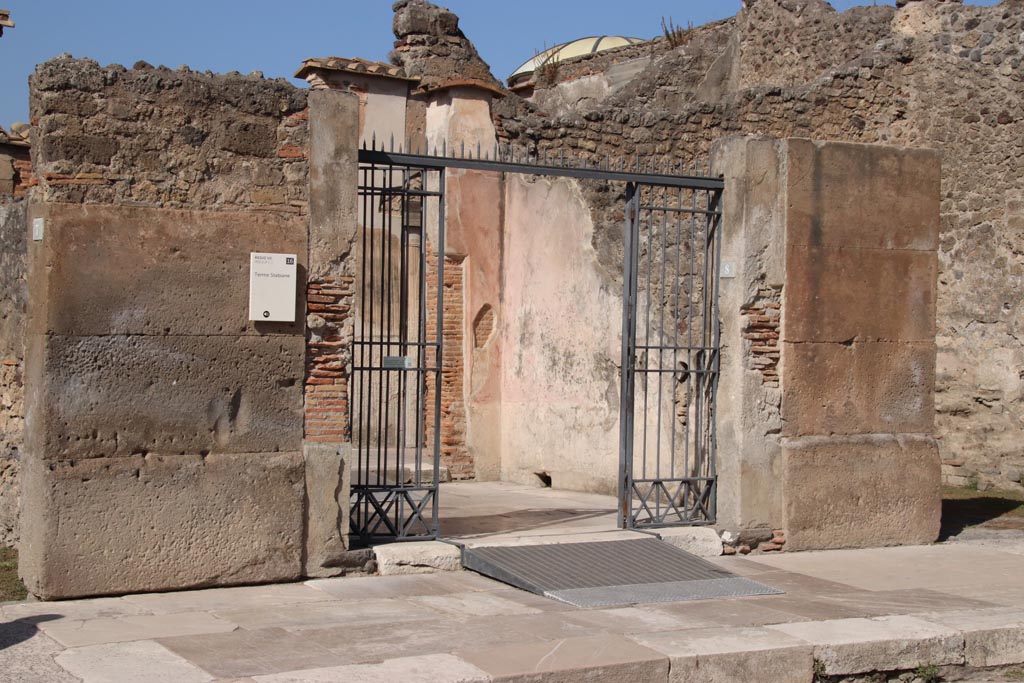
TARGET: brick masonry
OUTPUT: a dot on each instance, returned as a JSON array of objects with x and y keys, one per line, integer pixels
[
  {"x": 454, "y": 452},
  {"x": 761, "y": 320},
  {"x": 328, "y": 359}
]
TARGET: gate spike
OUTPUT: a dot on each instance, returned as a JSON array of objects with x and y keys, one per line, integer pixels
[
  {"x": 392, "y": 143},
  {"x": 478, "y": 153},
  {"x": 373, "y": 142},
  {"x": 444, "y": 147},
  {"x": 462, "y": 151}
]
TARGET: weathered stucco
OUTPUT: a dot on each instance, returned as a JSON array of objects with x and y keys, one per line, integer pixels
[{"x": 561, "y": 337}]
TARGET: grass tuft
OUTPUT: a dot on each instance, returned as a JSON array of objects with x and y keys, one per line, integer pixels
[{"x": 11, "y": 587}]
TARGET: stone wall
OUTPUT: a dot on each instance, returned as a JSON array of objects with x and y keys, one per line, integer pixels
[
  {"x": 165, "y": 447},
  {"x": 931, "y": 74},
  {"x": 13, "y": 235},
  {"x": 836, "y": 446}
]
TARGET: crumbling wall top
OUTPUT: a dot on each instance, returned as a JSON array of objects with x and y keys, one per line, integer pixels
[{"x": 430, "y": 46}]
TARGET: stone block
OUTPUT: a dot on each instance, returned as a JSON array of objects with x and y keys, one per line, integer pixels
[
  {"x": 697, "y": 540},
  {"x": 151, "y": 523},
  {"x": 71, "y": 633},
  {"x": 852, "y": 646},
  {"x": 735, "y": 654},
  {"x": 861, "y": 388},
  {"x": 333, "y": 170},
  {"x": 143, "y": 660},
  {"x": 328, "y": 478},
  {"x": 246, "y": 652},
  {"x": 992, "y": 637},
  {"x": 417, "y": 558},
  {"x": 130, "y": 270},
  {"x": 595, "y": 659},
  {"x": 860, "y": 491},
  {"x": 837, "y": 294},
  {"x": 863, "y": 196},
  {"x": 122, "y": 395}
]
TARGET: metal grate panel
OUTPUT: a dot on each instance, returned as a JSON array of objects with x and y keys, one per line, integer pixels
[{"x": 607, "y": 573}]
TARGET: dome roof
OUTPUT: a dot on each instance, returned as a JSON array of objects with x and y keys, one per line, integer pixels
[{"x": 575, "y": 48}]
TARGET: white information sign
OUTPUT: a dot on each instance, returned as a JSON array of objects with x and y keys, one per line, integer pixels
[{"x": 272, "y": 281}]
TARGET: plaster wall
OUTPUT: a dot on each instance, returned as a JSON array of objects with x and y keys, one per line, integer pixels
[
  {"x": 460, "y": 116},
  {"x": 561, "y": 335},
  {"x": 381, "y": 104},
  {"x": 475, "y": 227}
]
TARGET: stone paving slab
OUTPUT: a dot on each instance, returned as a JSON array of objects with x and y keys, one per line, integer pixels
[
  {"x": 596, "y": 659},
  {"x": 369, "y": 587},
  {"x": 26, "y": 655},
  {"x": 379, "y": 642},
  {"x": 428, "y": 669},
  {"x": 141, "y": 660},
  {"x": 363, "y": 628},
  {"x": 73, "y": 609},
  {"x": 252, "y": 653},
  {"x": 329, "y": 614},
  {"x": 122, "y": 629},
  {"x": 225, "y": 598},
  {"x": 474, "y": 604}
]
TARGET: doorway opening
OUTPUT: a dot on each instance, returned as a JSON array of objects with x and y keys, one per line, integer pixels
[{"x": 668, "y": 360}]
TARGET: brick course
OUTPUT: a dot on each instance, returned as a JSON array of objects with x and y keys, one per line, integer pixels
[
  {"x": 454, "y": 453},
  {"x": 328, "y": 359}
]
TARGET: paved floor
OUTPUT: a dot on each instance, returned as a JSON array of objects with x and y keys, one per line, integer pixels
[
  {"x": 843, "y": 611},
  {"x": 496, "y": 513}
]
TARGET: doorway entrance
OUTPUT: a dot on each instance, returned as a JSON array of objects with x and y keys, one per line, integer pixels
[{"x": 669, "y": 352}]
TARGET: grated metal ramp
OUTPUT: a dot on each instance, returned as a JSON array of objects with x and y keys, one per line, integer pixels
[{"x": 610, "y": 573}]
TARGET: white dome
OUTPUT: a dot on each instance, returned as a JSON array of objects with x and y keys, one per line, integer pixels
[{"x": 575, "y": 48}]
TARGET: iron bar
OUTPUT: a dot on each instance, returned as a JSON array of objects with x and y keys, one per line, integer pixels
[{"x": 558, "y": 170}]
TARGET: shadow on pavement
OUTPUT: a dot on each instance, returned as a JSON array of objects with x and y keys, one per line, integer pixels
[{"x": 20, "y": 630}]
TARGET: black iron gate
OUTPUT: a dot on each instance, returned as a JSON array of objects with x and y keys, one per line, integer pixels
[
  {"x": 670, "y": 337},
  {"x": 395, "y": 384},
  {"x": 670, "y": 353}
]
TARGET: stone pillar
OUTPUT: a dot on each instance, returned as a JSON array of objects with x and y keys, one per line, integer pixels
[
  {"x": 827, "y": 390},
  {"x": 333, "y": 222}
]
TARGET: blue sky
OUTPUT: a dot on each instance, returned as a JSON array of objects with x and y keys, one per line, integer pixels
[{"x": 274, "y": 37}]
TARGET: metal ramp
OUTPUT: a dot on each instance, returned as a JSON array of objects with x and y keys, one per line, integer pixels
[{"x": 610, "y": 573}]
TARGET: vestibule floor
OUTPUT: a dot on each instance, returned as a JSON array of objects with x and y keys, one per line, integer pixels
[{"x": 492, "y": 513}]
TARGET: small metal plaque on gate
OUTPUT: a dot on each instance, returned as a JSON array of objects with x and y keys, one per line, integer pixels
[{"x": 398, "y": 363}]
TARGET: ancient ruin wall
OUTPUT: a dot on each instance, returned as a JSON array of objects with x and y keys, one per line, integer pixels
[
  {"x": 939, "y": 75},
  {"x": 164, "y": 447},
  {"x": 12, "y": 362},
  {"x": 154, "y": 137}
]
